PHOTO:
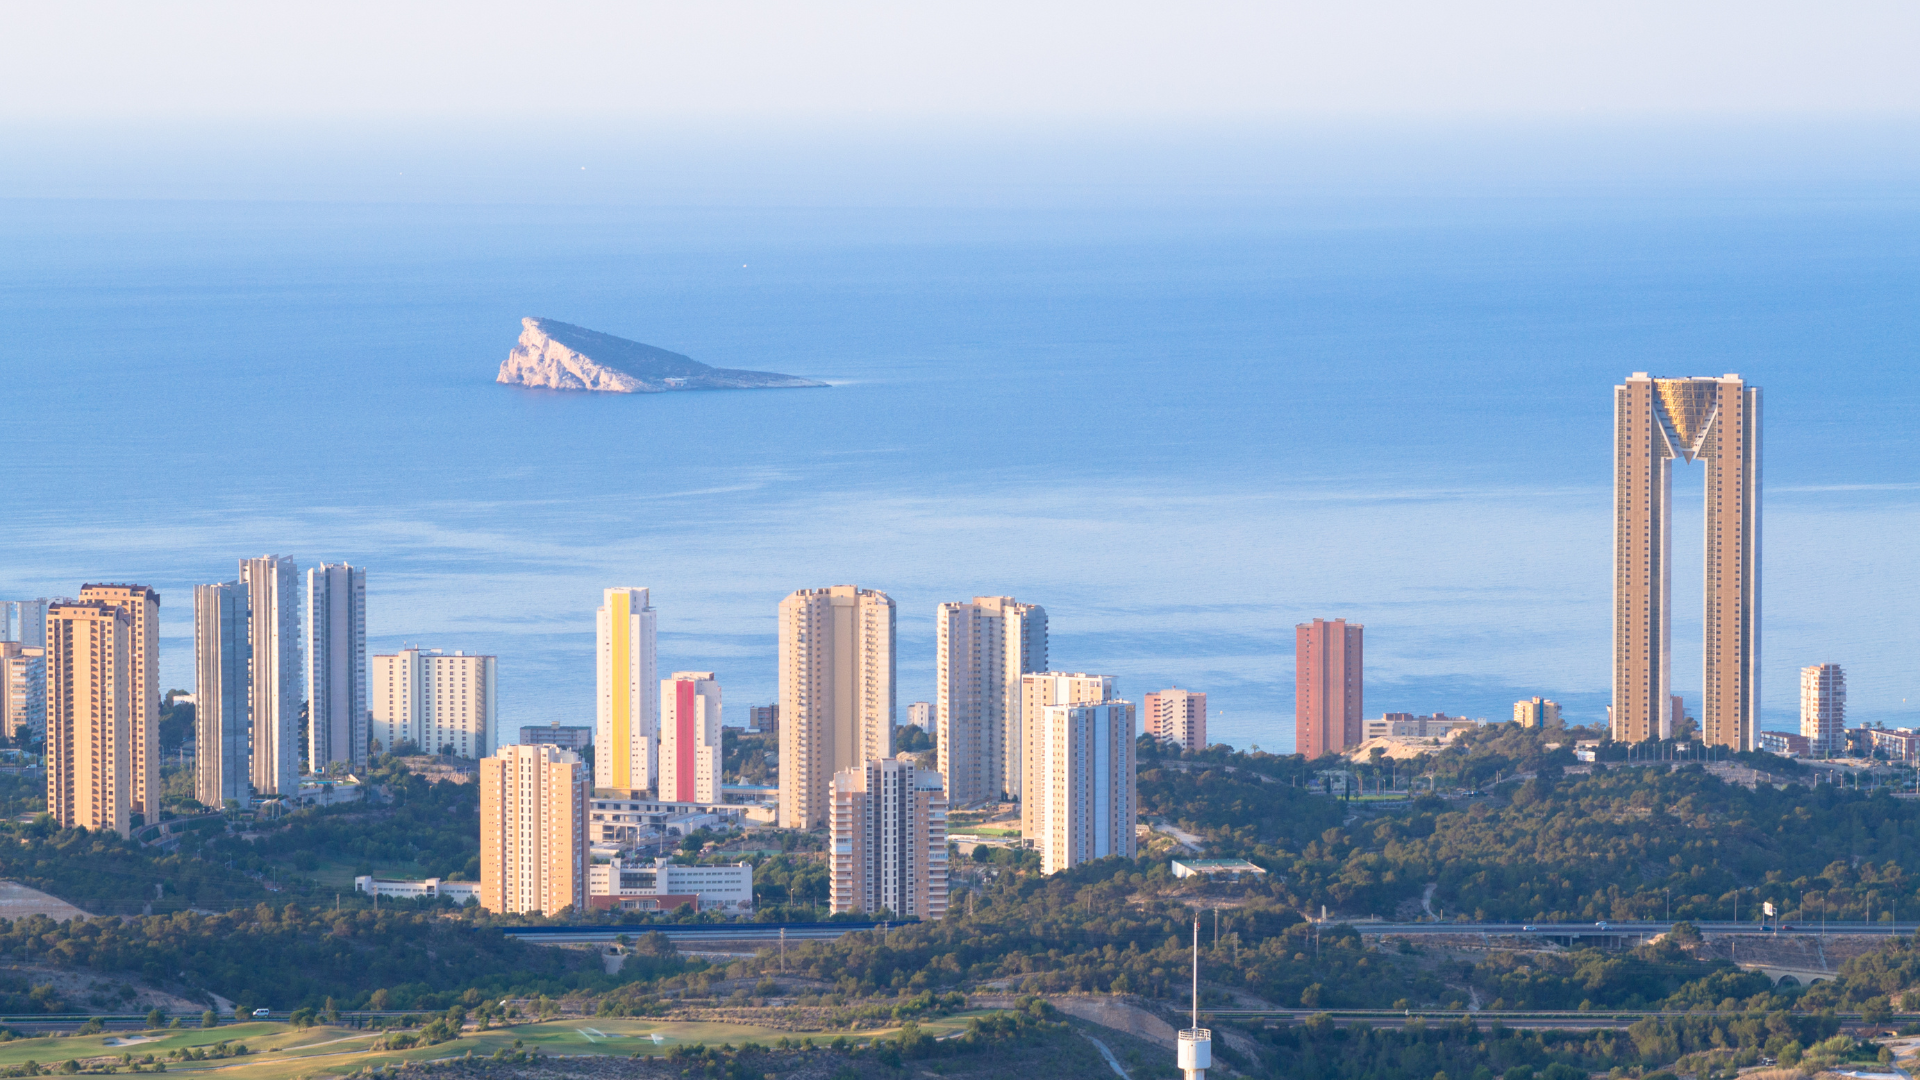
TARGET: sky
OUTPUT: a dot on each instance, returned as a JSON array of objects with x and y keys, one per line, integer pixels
[{"x": 1084, "y": 62}]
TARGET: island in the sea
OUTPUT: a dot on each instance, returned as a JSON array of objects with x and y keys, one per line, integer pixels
[{"x": 560, "y": 356}]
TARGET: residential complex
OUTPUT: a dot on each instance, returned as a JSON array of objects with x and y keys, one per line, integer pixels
[
  {"x": 24, "y": 621},
  {"x": 764, "y": 719},
  {"x": 1176, "y": 716},
  {"x": 1536, "y": 712},
  {"x": 1084, "y": 791},
  {"x": 982, "y": 649},
  {"x": 1654, "y": 422},
  {"x": 1039, "y": 691},
  {"x": 142, "y": 607},
  {"x": 1823, "y": 709},
  {"x": 444, "y": 704},
  {"x": 275, "y": 680},
  {"x": 836, "y": 693},
  {"x": 23, "y": 688},
  {"x": 689, "y": 756},
  {"x": 1327, "y": 686},
  {"x": 889, "y": 839},
  {"x": 1785, "y": 742},
  {"x": 920, "y": 715},
  {"x": 90, "y": 715},
  {"x": 222, "y": 721},
  {"x": 1399, "y": 725},
  {"x": 626, "y": 726},
  {"x": 566, "y": 738},
  {"x": 339, "y": 709},
  {"x": 533, "y": 830}
]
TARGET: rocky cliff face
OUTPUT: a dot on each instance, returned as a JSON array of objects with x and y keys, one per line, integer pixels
[{"x": 561, "y": 356}]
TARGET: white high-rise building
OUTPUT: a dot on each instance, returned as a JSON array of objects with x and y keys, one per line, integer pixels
[
  {"x": 836, "y": 693},
  {"x": 222, "y": 721},
  {"x": 626, "y": 728},
  {"x": 889, "y": 836},
  {"x": 1823, "y": 709},
  {"x": 444, "y": 704},
  {"x": 1037, "y": 691},
  {"x": 24, "y": 621},
  {"x": 1084, "y": 784},
  {"x": 338, "y": 712},
  {"x": 920, "y": 715},
  {"x": 276, "y": 677},
  {"x": 23, "y": 688},
  {"x": 689, "y": 756},
  {"x": 983, "y": 648}
]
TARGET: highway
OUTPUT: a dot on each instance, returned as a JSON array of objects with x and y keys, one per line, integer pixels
[
  {"x": 1597, "y": 1020},
  {"x": 1627, "y": 929},
  {"x": 694, "y": 932}
]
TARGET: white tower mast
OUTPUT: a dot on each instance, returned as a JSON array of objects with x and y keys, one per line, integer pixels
[{"x": 1196, "y": 1043}]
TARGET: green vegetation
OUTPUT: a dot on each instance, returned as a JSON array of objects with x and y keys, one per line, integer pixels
[{"x": 743, "y": 756}]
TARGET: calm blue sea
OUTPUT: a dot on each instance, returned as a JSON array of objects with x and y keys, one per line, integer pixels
[{"x": 1182, "y": 431}]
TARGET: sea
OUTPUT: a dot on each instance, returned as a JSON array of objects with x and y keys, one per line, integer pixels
[{"x": 1181, "y": 428}]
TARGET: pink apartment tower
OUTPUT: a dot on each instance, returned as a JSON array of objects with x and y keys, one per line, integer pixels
[{"x": 1326, "y": 687}]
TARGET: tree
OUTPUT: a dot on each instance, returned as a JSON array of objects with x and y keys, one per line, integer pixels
[
  {"x": 209, "y": 1019},
  {"x": 156, "y": 1019}
]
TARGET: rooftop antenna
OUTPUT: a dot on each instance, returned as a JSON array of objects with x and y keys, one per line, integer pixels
[{"x": 1196, "y": 1043}]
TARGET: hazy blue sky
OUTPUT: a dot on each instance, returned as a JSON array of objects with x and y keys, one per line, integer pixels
[{"x": 1103, "y": 61}]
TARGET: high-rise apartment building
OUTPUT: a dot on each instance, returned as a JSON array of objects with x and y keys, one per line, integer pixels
[
  {"x": 1177, "y": 716},
  {"x": 1327, "y": 686},
  {"x": 444, "y": 704},
  {"x": 222, "y": 699},
  {"x": 566, "y": 738},
  {"x": 690, "y": 738},
  {"x": 276, "y": 678},
  {"x": 338, "y": 708},
  {"x": 764, "y": 718},
  {"x": 889, "y": 836},
  {"x": 920, "y": 715},
  {"x": 982, "y": 649},
  {"x": 24, "y": 621},
  {"x": 626, "y": 727},
  {"x": 23, "y": 688},
  {"x": 533, "y": 830},
  {"x": 1536, "y": 712},
  {"x": 1038, "y": 691},
  {"x": 1823, "y": 709},
  {"x": 89, "y": 716},
  {"x": 142, "y": 606},
  {"x": 1084, "y": 788},
  {"x": 1654, "y": 422},
  {"x": 836, "y": 693}
]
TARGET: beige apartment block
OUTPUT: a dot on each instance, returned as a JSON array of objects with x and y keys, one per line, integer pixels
[
  {"x": 276, "y": 677},
  {"x": 1823, "y": 709},
  {"x": 982, "y": 650},
  {"x": 23, "y": 688},
  {"x": 1038, "y": 691},
  {"x": 89, "y": 716},
  {"x": 626, "y": 733},
  {"x": 690, "y": 738},
  {"x": 1328, "y": 686},
  {"x": 437, "y": 701},
  {"x": 836, "y": 693},
  {"x": 1656, "y": 421},
  {"x": 142, "y": 606},
  {"x": 1084, "y": 787},
  {"x": 222, "y": 726},
  {"x": 1177, "y": 716},
  {"x": 533, "y": 830},
  {"x": 889, "y": 838},
  {"x": 1537, "y": 713}
]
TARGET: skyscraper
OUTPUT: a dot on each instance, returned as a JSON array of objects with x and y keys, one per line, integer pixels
[
  {"x": 89, "y": 715},
  {"x": 1537, "y": 713},
  {"x": 836, "y": 693},
  {"x": 1654, "y": 422},
  {"x": 222, "y": 716},
  {"x": 23, "y": 688},
  {"x": 1823, "y": 709},
  {"x": 690, "y": 738},
  {"x": 533, "y": 830},
  {"x": 920, "y": 715},
  {"x": 1038, "y": 691},
  {"x": 889, "y": 838},
  {"x": 142, "y": 606},
  {"x": 1177, "y": 716},
  {"x": 1085, "y": 788},
  {"x": 24, "y": 621},
  {"x": 275, "y": 674},
  {"x": 439, "y": 703},
  {"x": 1327, "y": 686},
  {"x": 982, "y": 649},
  {"x": 338, "y": 709},
  {"x": 626, "y": 727}
]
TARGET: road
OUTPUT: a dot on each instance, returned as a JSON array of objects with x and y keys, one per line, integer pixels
[
  {"x": 1536, "y": 1021},
  {"x": 693, "y": 932},
  {"x": 1627, "y": 929}
]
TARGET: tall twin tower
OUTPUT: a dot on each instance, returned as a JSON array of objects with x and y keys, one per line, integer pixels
[{"x": 1716, "y": 421}]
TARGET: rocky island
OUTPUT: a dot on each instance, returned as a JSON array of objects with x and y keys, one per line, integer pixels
[{"x": 560, "y": 356}]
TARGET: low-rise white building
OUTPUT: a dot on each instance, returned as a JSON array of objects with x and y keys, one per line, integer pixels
[
  {"x": 458, "y": 891},
  {"x": 726, "y": 888},
  {"x": 620, "y": 820}
]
